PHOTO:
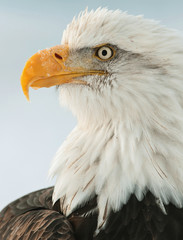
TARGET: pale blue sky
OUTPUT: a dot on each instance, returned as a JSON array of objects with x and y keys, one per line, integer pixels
[{"x": 30, "y": 133}]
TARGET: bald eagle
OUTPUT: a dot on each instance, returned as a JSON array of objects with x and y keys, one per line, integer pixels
[{"x": 120, "y": 171}]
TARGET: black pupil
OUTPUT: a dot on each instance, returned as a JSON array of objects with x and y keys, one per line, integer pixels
[{"x": 104, "y": 52}]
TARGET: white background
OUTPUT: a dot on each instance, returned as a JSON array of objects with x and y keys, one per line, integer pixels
[{"x": 31, "y": 133}]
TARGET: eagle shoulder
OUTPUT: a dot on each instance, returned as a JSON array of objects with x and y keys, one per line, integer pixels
[{"x": 34, "y": 217}]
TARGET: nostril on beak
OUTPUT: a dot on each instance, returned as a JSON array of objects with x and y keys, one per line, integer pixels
[{"x": 58, "y": 56}]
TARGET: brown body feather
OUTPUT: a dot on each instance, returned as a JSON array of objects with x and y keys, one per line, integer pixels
[{"x": 33, "y": 217}]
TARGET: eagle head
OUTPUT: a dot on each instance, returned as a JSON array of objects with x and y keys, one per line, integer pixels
[{"x": 121, "y": 75}]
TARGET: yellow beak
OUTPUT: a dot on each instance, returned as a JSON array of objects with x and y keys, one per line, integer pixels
[{"x": 47, "y": 68}]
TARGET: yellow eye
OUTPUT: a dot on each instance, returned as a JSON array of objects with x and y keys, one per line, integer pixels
[{"x": 104, "y": 53}]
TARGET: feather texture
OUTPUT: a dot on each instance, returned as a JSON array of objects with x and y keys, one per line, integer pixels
[{"x": 34, "y": 217}]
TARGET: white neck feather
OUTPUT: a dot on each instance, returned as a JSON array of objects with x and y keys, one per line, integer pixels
[{"x": 113, "y": 161}]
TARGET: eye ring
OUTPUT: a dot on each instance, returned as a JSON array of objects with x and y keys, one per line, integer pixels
[{"x": 104, "y": 53}]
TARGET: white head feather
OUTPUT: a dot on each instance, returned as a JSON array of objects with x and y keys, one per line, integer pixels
[{"x": 129, "y": 137}]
